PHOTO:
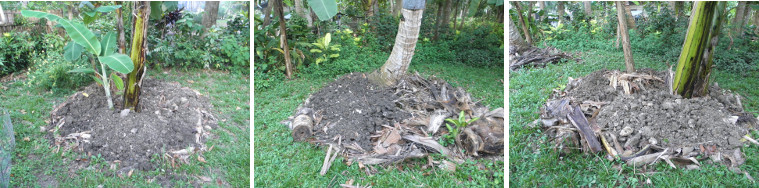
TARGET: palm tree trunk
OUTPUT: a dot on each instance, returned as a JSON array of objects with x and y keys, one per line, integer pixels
[
  {"x": 629, "y": 64},
  {"x": 403, "y": 49},
  {"x": 695, "y": 64}
]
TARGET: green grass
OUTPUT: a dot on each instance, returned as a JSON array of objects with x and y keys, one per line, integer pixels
[
  {"x": 35, "y": 162},
  {"x": 280, "y": 162},
  {"x": 534, "y": 163}
]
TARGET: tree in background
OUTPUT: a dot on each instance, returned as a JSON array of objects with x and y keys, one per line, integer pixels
[
  {"x": 278, "y": 4},
  {"x": 695, "y": 64},
  {"x": 522, "y": 24},
  {"x": 625, "y": 38},
  {"x": 211, "y": 12}
]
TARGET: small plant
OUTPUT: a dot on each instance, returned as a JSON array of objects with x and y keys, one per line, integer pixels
[
  {"x": 83, "y": 39},
  {"x": 453, "y": 132},
  {"x": 324, "y": 50}
]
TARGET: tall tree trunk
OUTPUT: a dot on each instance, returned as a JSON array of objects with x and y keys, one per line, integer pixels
[
  {"x": 515, "y": 39},
  {"x": 522, "y": 24},
  {"x": 588, "y": 10},
  {"x": 447, "y": 14},
  {"x": 438, "y": 18},
  {"x": 267, "y": 14},
  {"x": 560, "y": 10},
  {"x": 629, "y": 64},
  {"x": 397, "y": 7},
  {"x": 756, "y": 21},
  {"x": 299, "y": 8},
  {"x": 630, "y": 19},
  {"x": 211, "y": 12},
  {"x": 139, "y": 45},
  {"x": 530, "y": 7},
  {"x": 120, "y": 24},
  {"x": 456, "y": 12},
  {"x": 695, "y": 64},
  {"x": 278, "y": 4},
  {"x": 403, "y": 49},
  {"x": 738, "y": 20}
]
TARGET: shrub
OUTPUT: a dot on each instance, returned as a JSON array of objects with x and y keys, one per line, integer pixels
[
  {"x": 50, "y": 72},
  {"x": 16, "y": 52}
]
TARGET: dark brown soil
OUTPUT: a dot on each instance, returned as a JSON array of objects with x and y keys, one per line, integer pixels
[
  {"x": 355, "y": 108},
  {"x": 655, "y": 116},
  {"x": 171, "y": 118}
]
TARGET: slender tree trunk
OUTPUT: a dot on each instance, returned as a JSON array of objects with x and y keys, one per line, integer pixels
[
  {"x": 515, "y": 39},
  {"x": 403, "y": 49},
  {"x": 278, "y": 4},
  {"x": 542, "y": 5},
  {"x": 438, "y": 18},
  {"x": 625, "y": 38},
  {"x": 120, "y": 24},
  {"x": 695, "y": 64},
  {"x": 299, "y": 8},
  {"x": 756, "y": 21},
  {"x": 447, "y": 13},
  {"x": 522, "y": 24},
  {"x": 397, "y": 7},
  {"x": 455, "y": 12},
  {"x": 139, "y": 45},
  {"x": 530, "y": 7},
  {"x": 588, "y": 10},
  {"x": 738, "y": 20},
  {"x": 630, "y": 19},
  {"x": 211, "y": 13},
  {"x": 267, "y": 14}
]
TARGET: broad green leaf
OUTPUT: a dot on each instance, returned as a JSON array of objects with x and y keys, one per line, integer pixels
[
  {"x": 90, "y": 13},
  {"x": 108, "y": 44},
  {"x": 155, "y": 9},
  {"x": 105, "y": 9},
  {"x": 117, "y": 81},
  {"x": 78, "y": 33},
  {"x": 82, "y": 70},
  {"x": 324, "y": 9},
  {"x": 327, "y": 39},
  {"x": 315, "y": 51},
  {"x": 72, "y": 51},
  {"x": 81, "y": 35},
  {"x": 491, "y": 2},
  {"x": 118, "y": 62},
  {"x": 89, "y": 19},
  {"x": 38, "y": 14}
]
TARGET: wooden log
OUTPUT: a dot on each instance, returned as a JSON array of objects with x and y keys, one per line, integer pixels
[
  {"x": 581, "y": 123},
  {"x": 302, "y": 127}
]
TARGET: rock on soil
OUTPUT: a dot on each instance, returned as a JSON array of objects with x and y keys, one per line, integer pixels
[{"x": 171, "y": 118}]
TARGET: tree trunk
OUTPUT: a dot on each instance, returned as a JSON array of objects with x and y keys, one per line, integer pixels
[
  {"x": 3, "y": 19},
  {"x": 530, "y": 7},
  {"x": 403, "y": 49},
  {"x": 120, "y": 24},
  {"x": 299, "y": 8},
  {"x": 447, "y": 14},
  {"x": 455, "y": 12},
  {"x": 515, "y": 39},
  {"x": 588, "y": 10},
  {"x": 695, "y": 64},
  {"x": 267, "y": 14},
  {"x": 438, "y": 18},
  {"x": 625, "y": 38},
  {"x": 756, "y": 21},
  {"x": 397, "y": 8},
  {"x": 139, "y": 45},
  {"x": 560, "y": 10},
  {"x": 630, "y": 19},
  {"x": 211, "y": 12},
  {"x": 278, "y": 4},
  {"x": 522, "y": 24},
  {"x": 738, "y": 20}
]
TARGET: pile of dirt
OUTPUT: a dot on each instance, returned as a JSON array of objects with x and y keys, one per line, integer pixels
[
  {"x": 173, "y": 123},
  {"x": 636, "y": 118},
  {"x": 369, "y": 124},
  {"x": 354, "y": 108}
]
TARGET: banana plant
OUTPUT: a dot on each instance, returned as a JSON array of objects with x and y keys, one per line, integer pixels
[
  {"x": 324, "y": 50},
  {"x": 83, "y": 38}
]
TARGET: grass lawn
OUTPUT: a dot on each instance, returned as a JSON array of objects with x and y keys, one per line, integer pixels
[
  {"x": 533, "y": 163},
  {"x": 36, "y": 165},
  {"x": 280, "y": 162}
]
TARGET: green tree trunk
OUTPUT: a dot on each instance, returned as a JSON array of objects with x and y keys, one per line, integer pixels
[
  {"x": 139, "y": 45},
  {"x": 695, "y": 64}
]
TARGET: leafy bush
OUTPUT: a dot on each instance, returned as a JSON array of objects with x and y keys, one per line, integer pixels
[
  {"x": 16, "y": 53},
  {"x": 50, "y": 72}
]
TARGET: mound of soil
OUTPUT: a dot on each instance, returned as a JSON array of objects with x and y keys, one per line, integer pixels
[
  {"x": 370, "y": 124},
  {"x": 172, "y": 120},
  {"x": 355, "y": 108},
  {"x": 651, "y": 116}
]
